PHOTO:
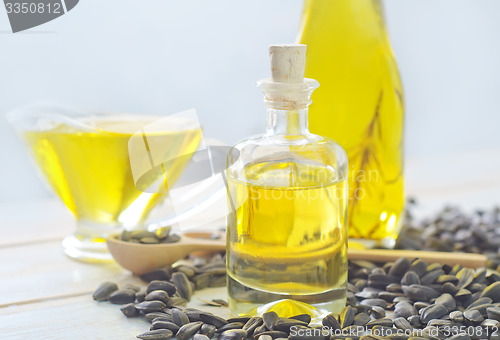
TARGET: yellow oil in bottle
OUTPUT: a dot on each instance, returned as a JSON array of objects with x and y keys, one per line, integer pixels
[
  {"x": 360, "y": 105},
  {"x": 287, "y": 240},
  {"x": 90, "y": 170}
]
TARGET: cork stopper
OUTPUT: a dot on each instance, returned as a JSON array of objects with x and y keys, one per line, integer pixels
[{"x": 288, "y": 62}]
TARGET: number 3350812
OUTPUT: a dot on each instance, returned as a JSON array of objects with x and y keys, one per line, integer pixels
[{"x": 30, "y": 7}]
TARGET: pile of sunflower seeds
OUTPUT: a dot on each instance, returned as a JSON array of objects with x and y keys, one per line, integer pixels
[
  {"x": 413, "y": 298},
  {"x": 160, "y": 235},
  {"x": 454, "y": 230},
  {"x": 441, "y": 300}
]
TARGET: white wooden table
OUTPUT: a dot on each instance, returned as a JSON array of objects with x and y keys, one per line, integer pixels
[{"x": 45, "y": 295}]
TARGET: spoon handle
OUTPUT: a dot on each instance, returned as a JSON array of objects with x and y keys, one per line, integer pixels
[{"x": 387, "y": 255}]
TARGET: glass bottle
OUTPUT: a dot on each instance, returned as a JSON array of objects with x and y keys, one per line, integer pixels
[
  {"x": 287, "y": 196},
  {"x": 360, "y": 104}
]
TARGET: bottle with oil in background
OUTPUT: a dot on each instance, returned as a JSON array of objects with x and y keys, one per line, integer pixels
[
  {"x": 287, "y": 200},
  {"x": 360, "y": 105}
]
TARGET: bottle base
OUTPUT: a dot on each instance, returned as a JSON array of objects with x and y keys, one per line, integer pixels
[{"x": 244, "y": 300}]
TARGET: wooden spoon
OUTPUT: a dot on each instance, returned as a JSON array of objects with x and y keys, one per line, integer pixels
[{"x": 140, "y": 258}]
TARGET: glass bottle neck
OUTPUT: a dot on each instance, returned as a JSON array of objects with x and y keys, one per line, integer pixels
[{"x": 287, "y": 122}]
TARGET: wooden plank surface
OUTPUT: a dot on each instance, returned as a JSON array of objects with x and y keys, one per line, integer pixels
[
  {"x": 34, "y": 221},
  {"x": 34, "y": 272}
]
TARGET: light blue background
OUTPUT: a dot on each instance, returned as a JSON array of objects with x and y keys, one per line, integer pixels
[{"x": 164, "y": 56}]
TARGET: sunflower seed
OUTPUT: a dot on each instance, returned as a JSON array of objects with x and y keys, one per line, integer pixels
[
  {"x": 460, "y": 336},
  {"x": 161, "y": 285},
  {"x": 455, "y": 269},
  {"x": 150, "y": 306},
  {"x": 362, "y": 308},
  {"x": 158, "y": 324},
  {"x": 159, "y": 295},
  {"x": 400, "y": 267},
  {"x": 243, "y": 319},
  {"x": 385, "y": 322},
  {"x": 361, "y": 319},
  {"x": 380, "y": 281},
  {"x": 457, "y": 316},
  {"x": 347, "y": 317},
  {"x": 162, "y": 274},
  {"x": 493, "y": 292},
  {"x": 252, "y": 324},
  {"x": 265, "y": 337},
  {"x": 377, "y": 312},
  {"x": 129, "y": 310},
  {"x": 284, "y": 324},
  {"x": 261, "y": 329},
  {"x": 419, "y": 267},
  {"x": 201, "y": 281},
  {"x": 479, "y": 302},
  {"x": 447, "y": 301},
  {"x": 182, "y": 284},
  {"x": 368, "y": 293},
  {"x": 414, "y": 320},
  {"x": 233, "y": 334},
  {"x": 420, "y": 304},
  {"x": 274, "y": 334},
  {"x": 231, "y": 325},
  {"x": 217, "y": 281},
  {"x": 432, "y": 312},
  {"x": 419, "y": 292},
  {"x": 157, "y": 334},
  {"x": 410, "y": 278},
  {"x": 473, "y": 316},
  {"x": 138, "y": 234},
  {"x": 402, "y": 323},
  {"x": 179, "y": 317},
  {"x": 122, "y": 296},
  {"x": 450, "y": 288},
  {"x": 188, "y": 330},
  {"x": 171, "y": 239},
  {"x": 221, "y": 302},
  {"x": 394, "y": 287},
  {"x": 104, "y": 291},
  {"x": 465, "y": 277},
  {"x": 149, "y": 240},
  {"x": 302, "y": 317},
  {"x": 374, "y": 302},
  {"x": 404, "y": 309},
  {"x": 164, "y": 314},
  {"x": 162, "y": 232},
  {"x": 447, "y": 278},
  {"x": 208, "y": 330},
  {"x": 270, "y": 319},
  {"x": 462, "y": 295},
  {"x": 439, "y": 322},
  {"x": 493, "y": 313},
  {"x": 140, "y": 295},
  {"x": 133, "y": 287},
  {"x": 490, "y": 323},
  {"x": 211, "y": 319},
  {"x": 331, "y": 321},
  {"x": 200, "y": 337},
  {"x": 477, "y": 287}
]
